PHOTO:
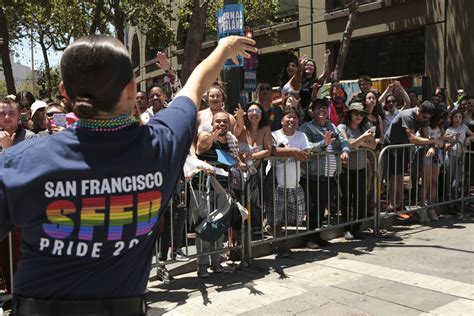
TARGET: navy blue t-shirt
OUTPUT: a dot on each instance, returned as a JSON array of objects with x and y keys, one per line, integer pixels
[{"x": 89, "y": 203}]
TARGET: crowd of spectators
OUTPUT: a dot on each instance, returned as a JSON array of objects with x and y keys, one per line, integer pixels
[{"x": 324, "y": 142}]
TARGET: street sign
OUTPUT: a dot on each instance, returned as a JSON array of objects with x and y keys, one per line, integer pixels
[
  {"x": 230, "y": 21},
  {"x": 250, "y": 79}
]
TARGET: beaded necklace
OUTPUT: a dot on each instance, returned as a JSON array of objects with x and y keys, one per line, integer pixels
[{"x": 106, "y": 125}]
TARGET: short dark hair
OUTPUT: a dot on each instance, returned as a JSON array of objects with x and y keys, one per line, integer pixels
[
  {"x": 364, "y": 78},
  {"x": 95, "y": 69},
  {"x": 291, "y": 110},
  {"x": 319, "y": 103},
  {"x": 427, "y": 107},
  {"x": 453, "y": 113},
  {"x": 25, "y": 95}
]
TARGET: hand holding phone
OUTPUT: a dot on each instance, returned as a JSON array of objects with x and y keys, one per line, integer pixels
[{"x": 59, "y": 119}]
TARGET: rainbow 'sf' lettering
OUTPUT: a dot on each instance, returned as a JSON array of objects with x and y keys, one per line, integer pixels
[
  {"x": 148, "y": 208},
  {"x": 90, "y": 217},
  {"x": 62, "y": 226},
  {"x": 121, "y": 211},
  {"x": 118, "y": 216}
]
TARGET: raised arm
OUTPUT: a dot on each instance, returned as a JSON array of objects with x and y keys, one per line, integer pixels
[
  {"x": 208, "y": 70},
  {"x": 325, "y": 72}
]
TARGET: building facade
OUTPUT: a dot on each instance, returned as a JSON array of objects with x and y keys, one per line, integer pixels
[{"x": 432, "y": 38}]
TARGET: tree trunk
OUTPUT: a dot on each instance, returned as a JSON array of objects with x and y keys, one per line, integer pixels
[
  {"x": 119, "y": 21},
  {"x": 192, "y": 47},
  {"x": 345, "y": 41},
  {"x": 5, "y": 54},
  {"x": 49, "y": 80},
  {"x": 96, "y": 18}
]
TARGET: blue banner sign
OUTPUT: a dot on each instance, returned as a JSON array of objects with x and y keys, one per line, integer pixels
[{"x": 230, "y": 21}]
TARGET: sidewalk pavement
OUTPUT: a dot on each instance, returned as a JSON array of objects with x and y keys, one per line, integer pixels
[{"x": 413, "y": 270}]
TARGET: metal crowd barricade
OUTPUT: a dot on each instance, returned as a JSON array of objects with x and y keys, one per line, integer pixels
[
  {"x": 332, "y": 214},
  {"x": 469, "y": 168},
  {"x": 192, "y": 247},
  {"x": 399, "y": 163}
]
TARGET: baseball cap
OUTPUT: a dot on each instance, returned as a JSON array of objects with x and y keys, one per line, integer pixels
[{"x": 36, "y": 106}]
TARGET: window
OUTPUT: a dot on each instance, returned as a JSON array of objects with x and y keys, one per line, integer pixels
[
  {"x": 386, "y": 55},
  {"x": 335, "y": 5}
]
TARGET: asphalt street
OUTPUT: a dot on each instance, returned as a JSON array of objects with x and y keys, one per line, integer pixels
[{"x": 412, "y": 270}]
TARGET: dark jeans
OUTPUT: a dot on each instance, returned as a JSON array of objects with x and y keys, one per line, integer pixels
[
  {"x": 354, "y": 196},
  {"x": 319, "y": 193},
  {"x": 179, "y": 218}
]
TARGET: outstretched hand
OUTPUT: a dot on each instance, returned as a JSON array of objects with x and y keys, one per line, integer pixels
[
  {"x": 163, "y": 61},
  {"x": 239, "y": 113},
  {"x": 238, "y": 45}
]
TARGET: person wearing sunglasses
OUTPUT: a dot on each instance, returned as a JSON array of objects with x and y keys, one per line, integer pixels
[
  {"x": 391, "y": 113},
  {"x": 52, "y": 109},
  {"x": 396, "y": 89},
  {"x": 273, "y": 112},
  {"x": 354, "y": 178}
]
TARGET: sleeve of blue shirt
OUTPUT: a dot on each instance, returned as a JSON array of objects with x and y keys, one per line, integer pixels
[
  {"x": 5, "y": 222},
  {"x": 174, "y": 128}
]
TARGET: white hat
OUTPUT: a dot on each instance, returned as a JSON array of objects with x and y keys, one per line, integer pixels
[{"x": 36, "y": 106}]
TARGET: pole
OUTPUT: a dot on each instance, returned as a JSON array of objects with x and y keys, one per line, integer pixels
[{"x": 33, "y": 80}]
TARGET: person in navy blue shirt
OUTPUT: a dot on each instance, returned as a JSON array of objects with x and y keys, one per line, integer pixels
[{"x": 89, "y": 199}]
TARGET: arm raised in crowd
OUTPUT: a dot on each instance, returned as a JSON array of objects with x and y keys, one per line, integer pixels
[{"x": 207, "y": 71}]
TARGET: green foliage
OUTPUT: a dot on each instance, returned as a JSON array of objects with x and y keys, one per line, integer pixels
[
  {"x": 3, "y": 88},
  {"x": 257, "y": 13},
  {"x": 44, "y": 88}
]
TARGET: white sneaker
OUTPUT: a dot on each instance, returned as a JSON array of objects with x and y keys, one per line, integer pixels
[
  {"x": 433, "y": 215},
  {"x": 348, "y": 236},
  {"x": 423, "y": 214}
]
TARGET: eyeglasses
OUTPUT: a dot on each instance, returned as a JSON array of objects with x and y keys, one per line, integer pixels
[
  {"x": 391, "y": 101},
  {"x": 460, "y": 92},
  {"x": 263, "y": 88},
  {"x": 256, "y": 111},
  {"x": 358, "y": 113},
  {"x": 50, "y": 114}
]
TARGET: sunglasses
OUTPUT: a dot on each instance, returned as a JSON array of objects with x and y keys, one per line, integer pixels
[
  {"x": 50, "y": 114},
  {"x": 358, "y": 113},
  {"x": 391, "y": 101},
  {"x": 256, "y": 111},
  {"x": 263, "y": 88}
]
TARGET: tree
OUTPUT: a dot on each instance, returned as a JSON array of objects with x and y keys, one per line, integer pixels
[
  {"x": 9, "y": 32},
  {"x": 194, "y": 38},
  {"x": 48, "y": 81},
  {"x": 346, "y": 39},
  {"x": 198, "y": 18}
]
